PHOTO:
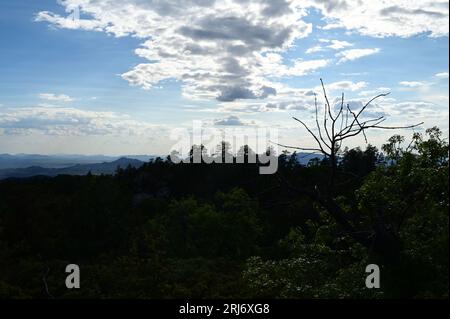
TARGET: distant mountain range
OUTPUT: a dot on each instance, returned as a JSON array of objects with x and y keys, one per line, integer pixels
[
  {"x": 78, "y": 169},
  {"x": 27, "y": 165},
  {"x": 60, "y": 161},
  {"x": 304, "y": 158}
]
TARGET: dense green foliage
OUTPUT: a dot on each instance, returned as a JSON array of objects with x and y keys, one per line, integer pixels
[{"x": 219, "y": 231}]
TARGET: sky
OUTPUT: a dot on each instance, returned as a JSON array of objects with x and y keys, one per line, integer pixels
[{"x": 117, "y": 77}]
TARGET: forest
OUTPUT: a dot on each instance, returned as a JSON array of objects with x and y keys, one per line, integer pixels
[{"x": 166, "y": 230}]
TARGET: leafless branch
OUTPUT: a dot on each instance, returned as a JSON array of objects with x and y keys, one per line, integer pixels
[
  {"x": 317, "y": 123},
  {"x": 313, "y": 135},
  {"x": 349, "y": 127},
  {"x": 298, "y": 148},
  {"x": 397, "y": 127},
  {"x": 326, "y": 99}
]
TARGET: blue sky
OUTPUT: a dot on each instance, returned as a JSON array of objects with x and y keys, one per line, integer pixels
[{"x": 80, "y": 86}]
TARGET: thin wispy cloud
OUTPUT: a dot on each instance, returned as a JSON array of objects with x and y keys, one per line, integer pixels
[
  {"x": 354, "y": 54},
  {"x": 347, "y": 86},
  {"x": 412, "y": 84},
  {"x": 331, "y": 44},
  {"x": 69, "y": 121},
  {"x": 442, "y": 75},
  {"x": 55, "y": 97},
  {"x": 232, "y": 120}
]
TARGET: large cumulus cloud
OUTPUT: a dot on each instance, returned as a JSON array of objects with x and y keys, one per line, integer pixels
[
  {"x": 403, "y": 18},
  {"x": 216, "y": 48},
  {"x": 233, "y": 49}
]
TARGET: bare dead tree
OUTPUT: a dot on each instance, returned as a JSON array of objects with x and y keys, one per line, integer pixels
[
  {"x": 332, "y": 129},
  {"x": 340, "y": 126}
]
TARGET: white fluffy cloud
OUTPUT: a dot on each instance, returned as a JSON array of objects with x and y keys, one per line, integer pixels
[
  {"x": 337, "y": 45},
  {"x": 331, "y": 44},
  {"x": 214, "y": 47},
  {"x": 232, "y": 49},
  {"x": 69, "y": 22},
  {"x": 412, "y": 84},
  {"x": 347, "y": 86},
  {"x": 376, "y": 18},
  {"x": 68, "y": 121},
  {"x": 232, "y": 120},
  {"x": 442, "y": 75},
  {"x": 55, "y": 97},
  {"x": 416, "y": 109},
  {"x": 353, "y": 54},
  {"x": 314, "y": 49}
]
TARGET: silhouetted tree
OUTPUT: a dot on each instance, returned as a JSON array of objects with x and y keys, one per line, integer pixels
[{"x": 334, "y": 130}]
